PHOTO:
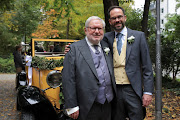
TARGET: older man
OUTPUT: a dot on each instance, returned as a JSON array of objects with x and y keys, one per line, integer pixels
[{"x": 88, "y": 78}]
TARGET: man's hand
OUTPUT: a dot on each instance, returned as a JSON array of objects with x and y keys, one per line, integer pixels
[
  {"x": 74, "y": 115},
  {"x": 67, "y": 48},
  {"x": 146, "y": 99}
]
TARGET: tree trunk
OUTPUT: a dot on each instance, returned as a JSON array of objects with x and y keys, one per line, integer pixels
[
  {"x": 144, "y": 22},
  {"x": 107, "y": 5},
  {"x": 67, "y": 31},
  {"x": 175, "y": 71}
]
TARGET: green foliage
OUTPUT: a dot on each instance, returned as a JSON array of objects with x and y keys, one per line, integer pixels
[
  {"x": 7, "y": 41},
  {"x": 171, "y": 45},
  {"x": 124, "y": 1},
  {"x": 178, "y": 5},
  {"x": 7, "y": 65},
  {"x": 168, "y": 83},
  {"x": 26, "y": 17},
  {"x": 44, "y": 64},
  {"x": 6, "y": 5},
  {"x": 172, "y": 18},
  {"x": 61, "y": 96},
  {"x": 65, "y": 7},
  {"x": 70, "y": 15},
  {"x": 152, "y": 48},
  {"x": 134, "y": 18},
  {"x": 20, "y": 22},
  {"x": 152, "y": 39}
]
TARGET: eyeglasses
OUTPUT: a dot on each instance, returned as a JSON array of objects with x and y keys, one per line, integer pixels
[
  {"x": 118, "y": 17},
  {"x": 94, "y": 29}
]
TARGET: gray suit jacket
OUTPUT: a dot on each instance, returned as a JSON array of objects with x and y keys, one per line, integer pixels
[
  {"x": 138, "y": 63},
  {"x": 80, "y": 79}
]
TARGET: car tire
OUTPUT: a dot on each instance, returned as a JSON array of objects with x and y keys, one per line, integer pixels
[
  {"x": 17, "y": 105},
  {"x": 27, "y": 115}
]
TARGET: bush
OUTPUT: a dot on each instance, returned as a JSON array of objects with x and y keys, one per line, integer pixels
[
  {"x": 168, "y": 83},
  {"x": 7, "y": 65}
]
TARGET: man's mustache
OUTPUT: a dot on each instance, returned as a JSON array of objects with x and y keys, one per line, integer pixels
[
  {"x": 96, "y": 34},
  {"x": 118, "y": 22}
]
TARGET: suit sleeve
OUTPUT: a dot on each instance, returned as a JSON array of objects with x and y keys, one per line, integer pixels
[
  {"x": 146, "y": 66},
  {"x": 68, "y": 79}
]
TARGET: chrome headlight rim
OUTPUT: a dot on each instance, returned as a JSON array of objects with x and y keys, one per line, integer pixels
[{"x": 54, "y": 79}]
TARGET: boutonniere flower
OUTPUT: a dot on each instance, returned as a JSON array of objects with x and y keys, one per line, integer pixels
[
  {"x": 131, "y": 39},
  {"x": 106, "y": 50}
]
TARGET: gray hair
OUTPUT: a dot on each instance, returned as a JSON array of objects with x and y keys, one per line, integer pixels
[{"x": 94, "y": 18}]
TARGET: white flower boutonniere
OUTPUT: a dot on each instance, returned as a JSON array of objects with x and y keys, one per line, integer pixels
[
  {"x": 106, "y": 50},
  {"x": 131, "y": 39}
]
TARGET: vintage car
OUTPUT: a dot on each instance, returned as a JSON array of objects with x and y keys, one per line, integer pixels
[{"x": 39, "y": 95}]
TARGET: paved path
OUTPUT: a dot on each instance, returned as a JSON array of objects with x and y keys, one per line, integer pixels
[
  {"x": 7, "y": 76},
  {"x": 8, "y": 98}
]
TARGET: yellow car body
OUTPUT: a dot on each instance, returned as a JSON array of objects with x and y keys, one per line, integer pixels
[{"x": 39, "y": 76}]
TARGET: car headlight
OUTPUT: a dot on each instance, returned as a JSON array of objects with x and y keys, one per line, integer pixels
[
  {"x": 54, "y": 79},
  {"x": 22, "y": 78}
]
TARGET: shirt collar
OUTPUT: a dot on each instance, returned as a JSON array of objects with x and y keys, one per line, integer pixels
[
  {"x": 124, "y": 31},
  {"x": 90, "y": 44}
]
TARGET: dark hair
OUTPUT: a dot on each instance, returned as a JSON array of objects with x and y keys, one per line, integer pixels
[
  {"x": 18, "y": 46},
  {"x": 112, "y": 7}
]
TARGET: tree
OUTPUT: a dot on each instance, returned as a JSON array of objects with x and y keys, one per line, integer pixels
[
  {"x": 46, "y": 29},
  {"x": 134, "y": 17},
  {"x": 171, "y": 46},
  {"x": 6, "y": 5},
  {"x": 59, "y": 17},
  {"x": 7, "y": 41},
  {"x": 178, "y": 4},
  {"x": 144, "y": 23},
  {"x": 26, "y": 18},
  {"x": 107, "y": 5},
  {"x": 63, "y": 10},
  {"x": 6, "y": 37}
]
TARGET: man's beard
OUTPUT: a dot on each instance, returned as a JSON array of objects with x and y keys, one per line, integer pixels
[{"x": 118, "y": 28}]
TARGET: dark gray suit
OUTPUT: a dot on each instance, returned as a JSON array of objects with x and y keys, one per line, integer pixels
[
  {"x": 18, "y": 59},
  {"x": 138, "y": 63},
  {"x": 80, "y": 79}
]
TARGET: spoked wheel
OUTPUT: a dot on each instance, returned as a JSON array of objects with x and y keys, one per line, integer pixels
[{"x": 27, "y": 115}]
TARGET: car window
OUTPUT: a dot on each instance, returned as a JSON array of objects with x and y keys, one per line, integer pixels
[{"x": 50, "y": 47}]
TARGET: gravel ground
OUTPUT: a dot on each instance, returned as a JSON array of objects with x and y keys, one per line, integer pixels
[{"x": 8, "y": 98}]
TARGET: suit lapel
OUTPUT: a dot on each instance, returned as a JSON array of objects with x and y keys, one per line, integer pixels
[
  {"x": 110, "y": 39},
  {"x": 107, "y": 57},
  {"x": 112, "y": 35},
  {"x": 129, "y": 46},
  {"x": 85, "y": 51}
]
